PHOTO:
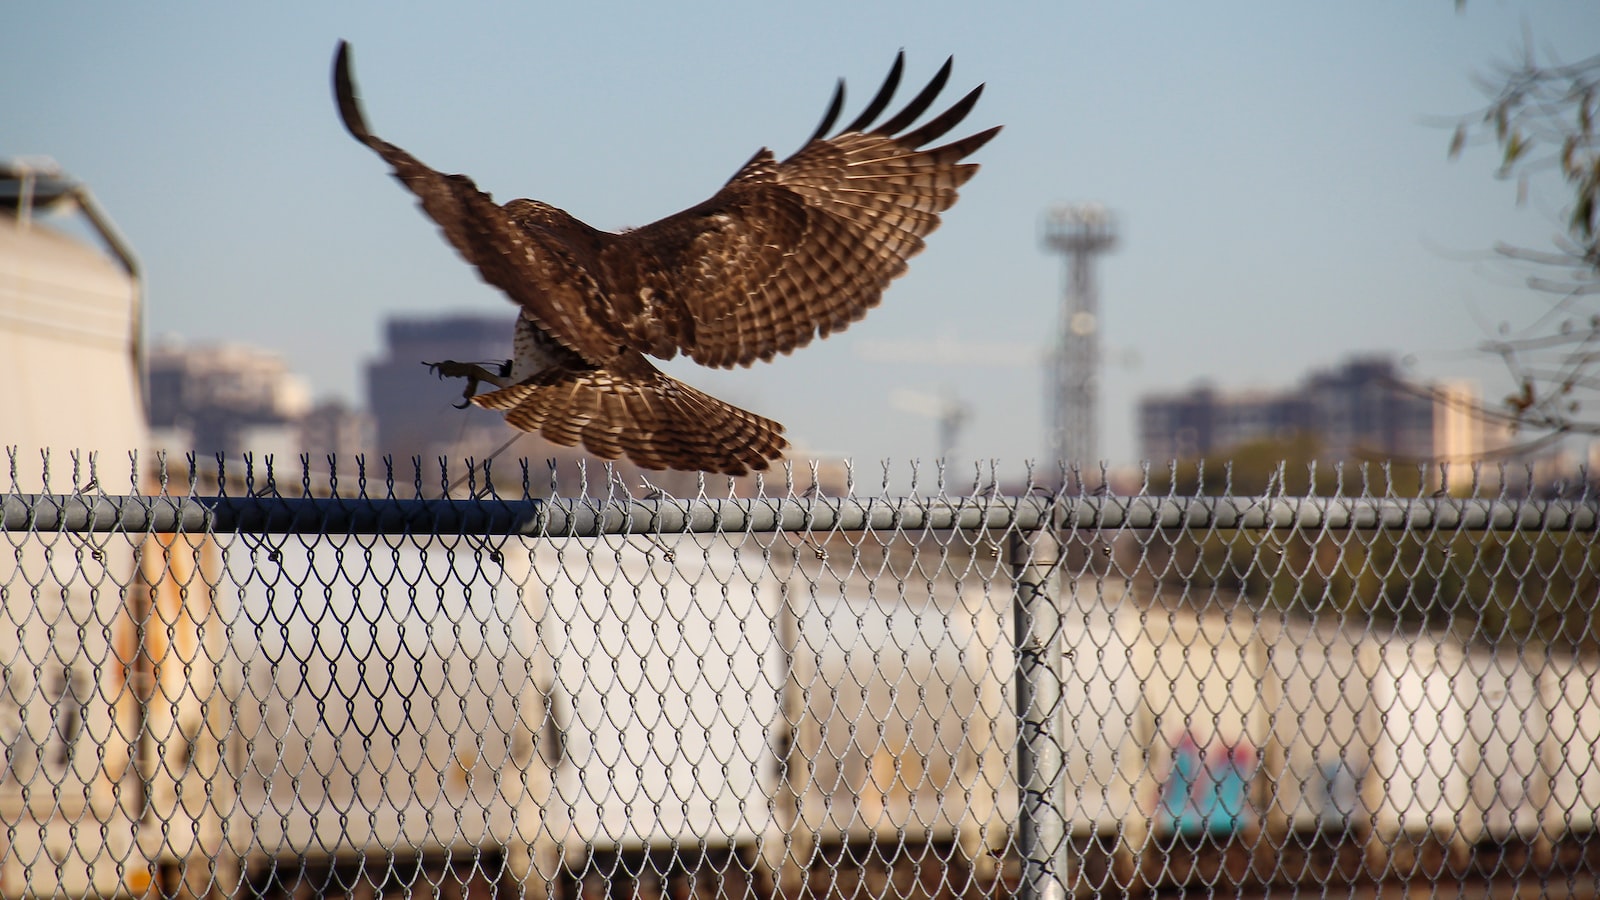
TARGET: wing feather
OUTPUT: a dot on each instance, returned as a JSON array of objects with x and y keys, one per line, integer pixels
[
  {"x": 939, "y": 125},
  {"x": 540, "y": 267},
  {"x": 920, "y": 103},
  {"x": 792, "y": 250},
  {"x": 881, "y": 100}
]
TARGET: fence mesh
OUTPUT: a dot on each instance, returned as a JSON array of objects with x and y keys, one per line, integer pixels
[{"x": 229, "y": 682}]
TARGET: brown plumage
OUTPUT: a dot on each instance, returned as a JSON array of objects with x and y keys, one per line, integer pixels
[{"x": 785, "y": 252}]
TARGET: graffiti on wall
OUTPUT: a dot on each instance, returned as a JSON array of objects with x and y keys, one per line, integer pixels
[{"x": 1207, "y": 791}]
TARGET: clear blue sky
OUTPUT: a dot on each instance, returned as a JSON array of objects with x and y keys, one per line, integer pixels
[{"x": 1284, "y": 198}]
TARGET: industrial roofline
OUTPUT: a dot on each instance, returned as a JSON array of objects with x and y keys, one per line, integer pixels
[{"x": 42, "y": 184}]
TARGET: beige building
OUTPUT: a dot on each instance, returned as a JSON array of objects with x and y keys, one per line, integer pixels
[{"x": 224, "y": 398}]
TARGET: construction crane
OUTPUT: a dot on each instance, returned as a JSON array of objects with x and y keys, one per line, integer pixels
[{"x": 945, "y": 408}]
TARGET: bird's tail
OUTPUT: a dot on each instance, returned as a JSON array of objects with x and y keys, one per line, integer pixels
[{"x": 656, "y": 421}]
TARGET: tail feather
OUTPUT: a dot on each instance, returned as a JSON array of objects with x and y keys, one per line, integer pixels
[{"x": 655, "y": 421}]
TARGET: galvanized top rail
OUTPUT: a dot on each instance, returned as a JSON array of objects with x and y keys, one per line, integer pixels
[{"x": 592, "y": 518}]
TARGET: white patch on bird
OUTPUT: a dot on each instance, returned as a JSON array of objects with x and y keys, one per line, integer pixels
[
  {"x": 646, "y": 294},
  {"x": 531, "y": 351}
]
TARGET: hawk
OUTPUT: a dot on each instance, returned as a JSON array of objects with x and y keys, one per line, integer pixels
[{"x": 783, "y": 253}]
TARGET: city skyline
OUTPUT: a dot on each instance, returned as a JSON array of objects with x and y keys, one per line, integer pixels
[
  {"x": 1361, "y": 410},
  {"x": 235, "y": 398}
]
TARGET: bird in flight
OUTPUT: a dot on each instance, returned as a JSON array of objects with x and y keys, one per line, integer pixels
[{"x": 785, "y": 252}]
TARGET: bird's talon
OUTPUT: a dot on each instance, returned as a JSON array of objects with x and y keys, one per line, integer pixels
[
  {"x": 452, "y": 369},
  {"x": 445, "y": 369}
]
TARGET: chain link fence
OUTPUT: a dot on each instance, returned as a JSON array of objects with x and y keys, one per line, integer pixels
[{"x": 567, "y": 684}]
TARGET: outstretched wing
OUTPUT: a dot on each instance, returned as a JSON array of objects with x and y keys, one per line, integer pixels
[
  {"x": 538, "y": 267},
  {"x": 791, "y": 250}
]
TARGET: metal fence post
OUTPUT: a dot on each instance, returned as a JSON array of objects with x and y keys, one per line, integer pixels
[{"x": 1041, "y": 821}]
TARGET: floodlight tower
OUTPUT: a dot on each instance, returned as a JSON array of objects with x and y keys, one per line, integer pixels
[{"x": 1080, "y": 233}]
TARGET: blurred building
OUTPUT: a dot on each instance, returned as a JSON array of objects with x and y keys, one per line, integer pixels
[
  {"x": 1361, "y": 409},
  {"x": 333, "y": 428},
  {"x": 224, "y": 398},
  {"x": 412, "y": 409},
  {"x": 234, "y": 399}
]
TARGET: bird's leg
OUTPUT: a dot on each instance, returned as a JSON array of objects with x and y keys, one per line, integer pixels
[{"x": 473, "y": 373}]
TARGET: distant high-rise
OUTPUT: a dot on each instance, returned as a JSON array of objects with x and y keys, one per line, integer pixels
[
  {"x": 1362, "y": 409},
  {"x": 412, "y": 410},
  {"x": 224, "y": 398},
  {"x": 332, "y": 428}
]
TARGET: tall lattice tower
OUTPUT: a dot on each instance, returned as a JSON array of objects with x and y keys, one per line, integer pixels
[{"x": 1080, "y": 233}]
